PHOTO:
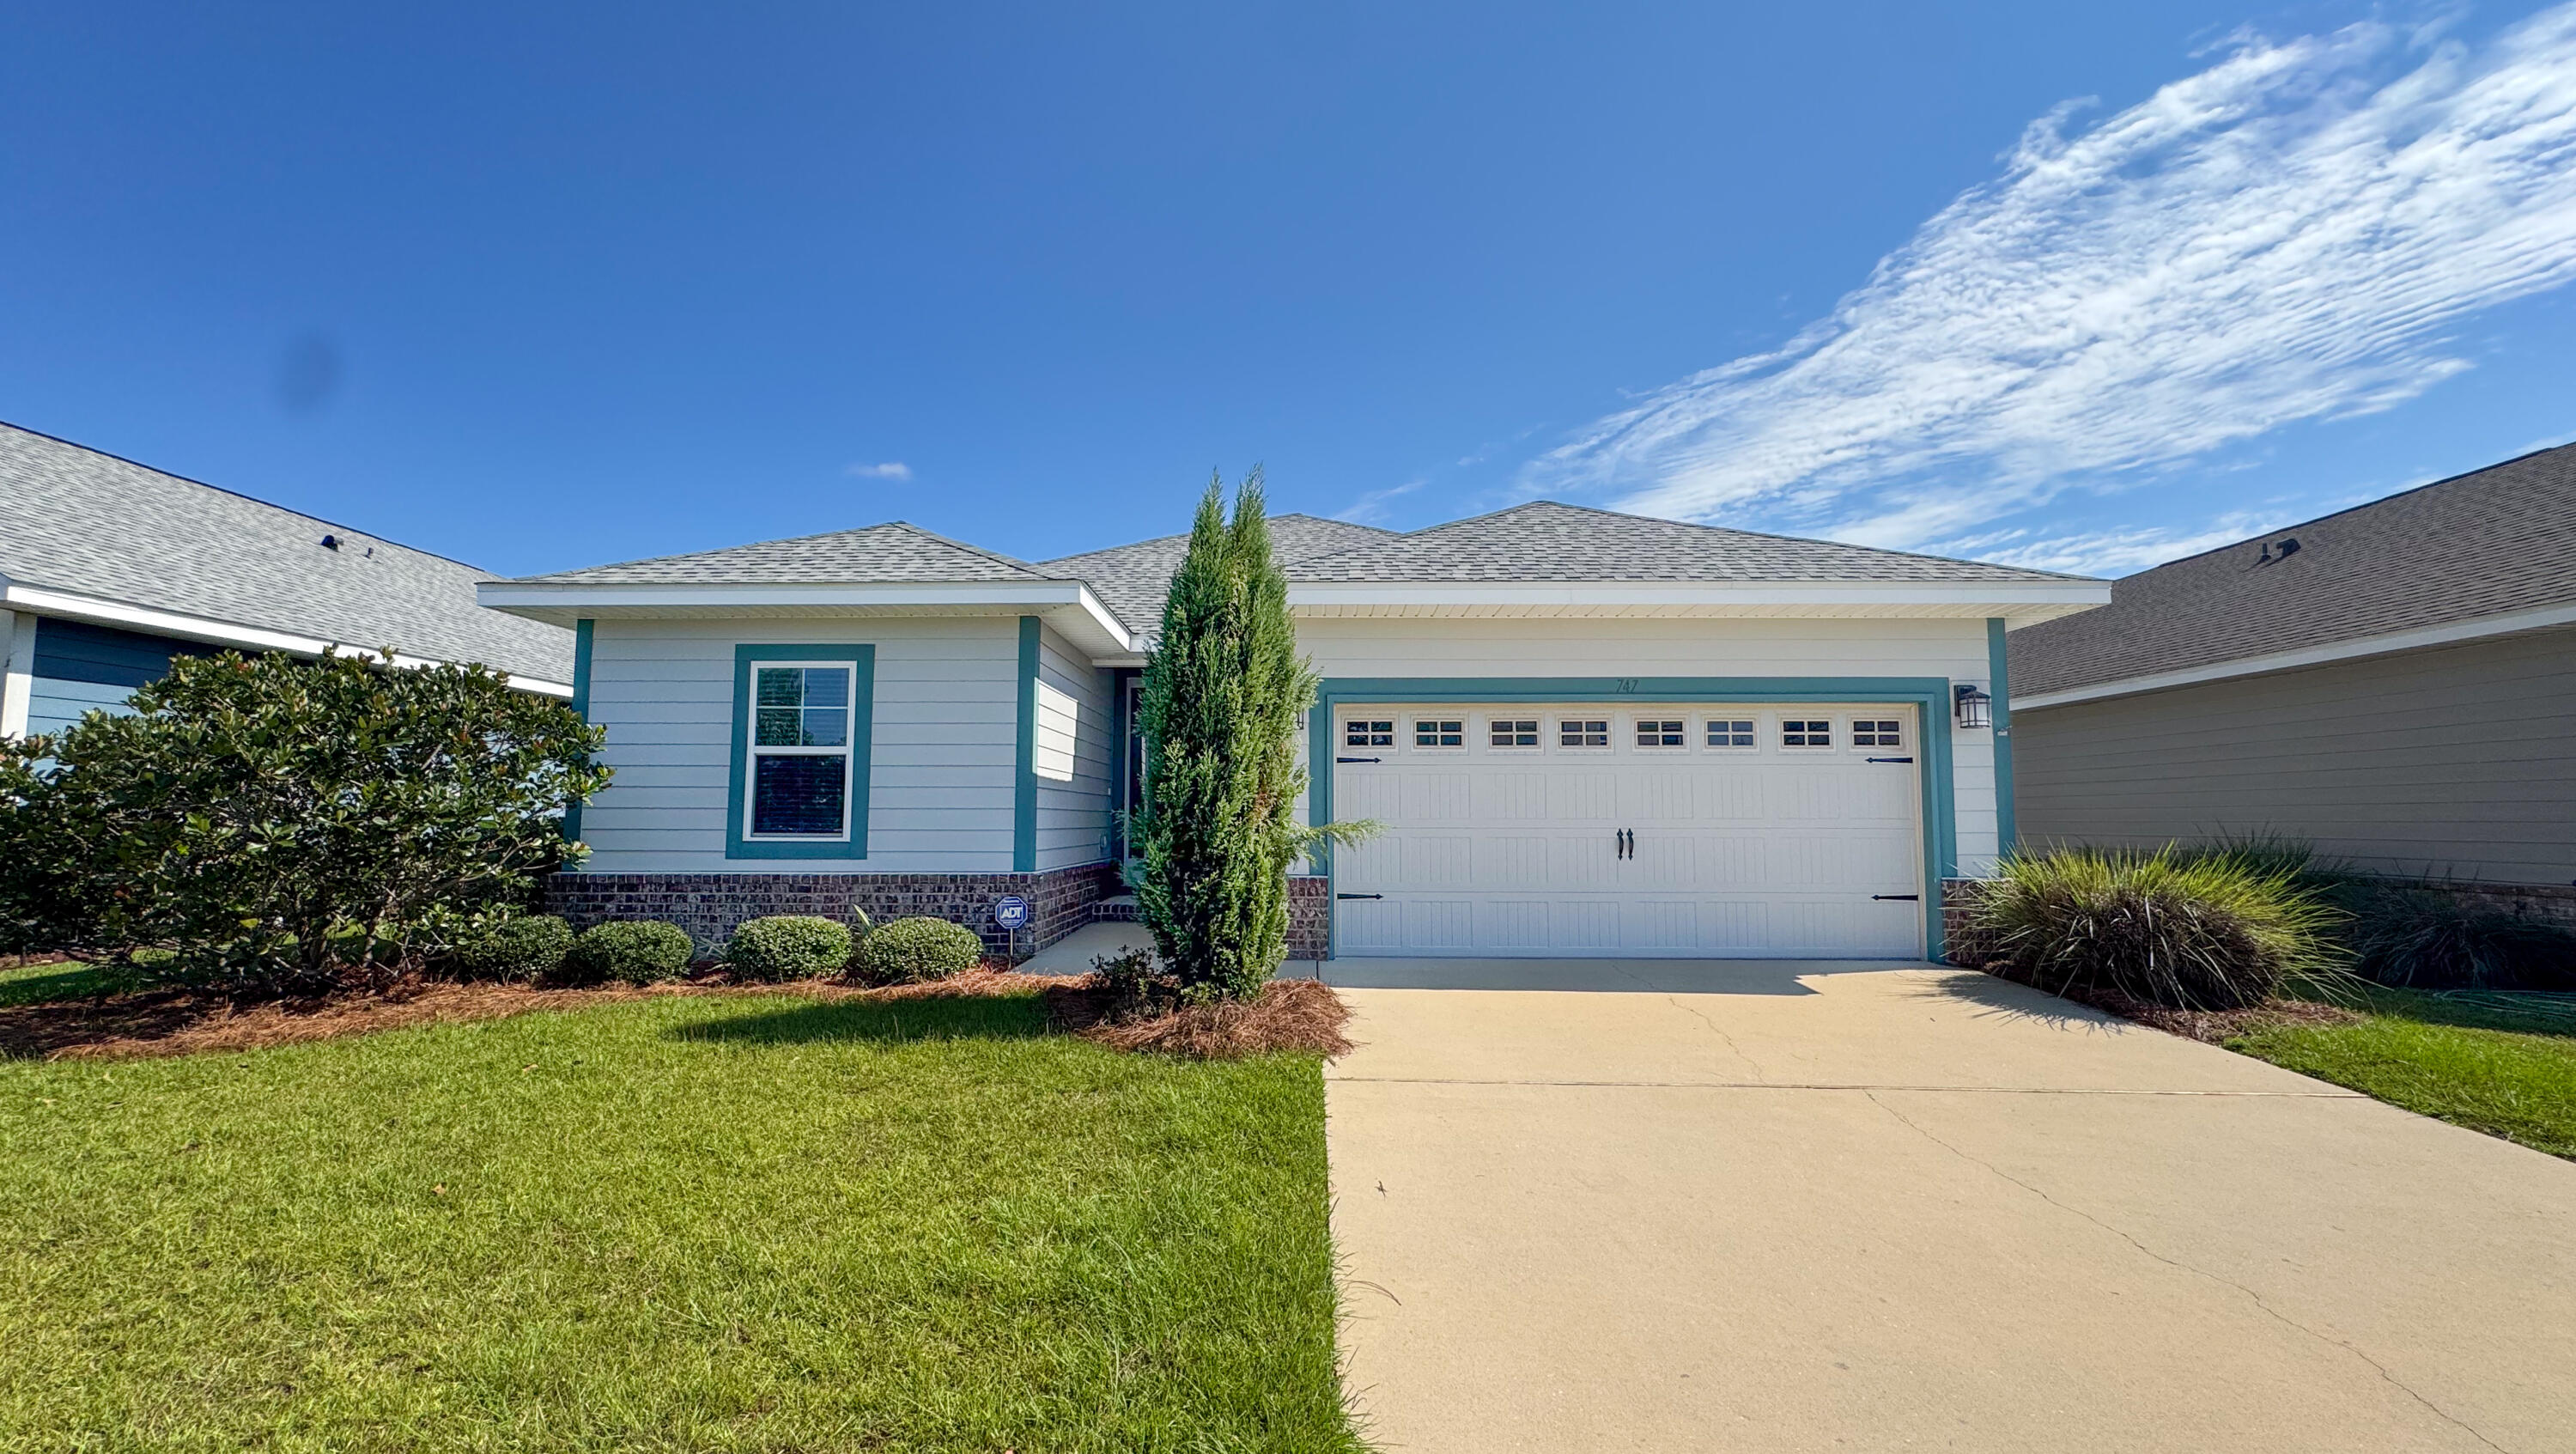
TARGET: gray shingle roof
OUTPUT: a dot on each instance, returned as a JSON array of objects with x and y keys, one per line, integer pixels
[
  {"x": 1546, "y": 541},
  {"x": 2498, "y": 540},
  {"x": 74, "y": 519},
  {"x": 1132, "y": 580},
  {"x": 894, "y": 551}
]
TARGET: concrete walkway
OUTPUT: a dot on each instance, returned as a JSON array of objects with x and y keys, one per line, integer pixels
[{"x": 1872, "y": 1207}]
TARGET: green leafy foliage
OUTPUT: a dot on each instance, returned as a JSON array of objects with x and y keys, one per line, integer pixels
[
  {"x": 521, "y": 946},
  {"x": 638, "y": 951},
  {"x": 1224, "y": 690},
  {"x": 284, "y": 824},
  {"x": 790, "y": 946},
  {"x": 909, "y": 951},
  {"x": 2212, "y": 933}
]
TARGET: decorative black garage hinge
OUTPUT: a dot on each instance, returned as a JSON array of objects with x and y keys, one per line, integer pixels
[
  {"x": 1908, "y": 898},
  {"x": 1891, "y": 759},
  {"x": 1359, "y": 896},
  {"x": 1356, "y": 759}
]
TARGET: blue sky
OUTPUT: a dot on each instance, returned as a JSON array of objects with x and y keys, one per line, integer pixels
[{"x": 2080, "y": 286}]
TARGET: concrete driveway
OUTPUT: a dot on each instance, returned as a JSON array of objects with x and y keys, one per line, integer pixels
[{"x": 1863, "y": 1207}]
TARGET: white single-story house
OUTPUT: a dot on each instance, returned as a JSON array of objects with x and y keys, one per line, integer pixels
[
  {"x": 108, "y": 569},
  {"x": 2394, "y": 683},
  {"x": 1585, "y": 733}
]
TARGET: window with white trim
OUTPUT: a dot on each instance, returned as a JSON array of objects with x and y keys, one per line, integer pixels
[
  {"x": 1731, "y": 732},
  {"x": 1583, "y": 732},
  {"x": 1511, "y": 732},
  {"x": 1806, "y": 732},
  {"x": 1662, "y": 732},
  {"x": 799, "y": 767},
  {"x": 1364, "y": 732},
  {"x": 1878, "y": 732},
  {"x": 1439, "y": 732}
]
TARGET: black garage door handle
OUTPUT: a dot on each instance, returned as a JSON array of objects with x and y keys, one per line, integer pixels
[
  {"x": 1359, "y": 896},
  {"x": 1909, "y": 898}
]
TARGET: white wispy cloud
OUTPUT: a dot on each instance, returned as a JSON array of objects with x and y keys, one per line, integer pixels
[
  {"x": 1371, "y": 508},
  {"x": 893, "y": 469},
  {"x": 2291, "y": 234}
]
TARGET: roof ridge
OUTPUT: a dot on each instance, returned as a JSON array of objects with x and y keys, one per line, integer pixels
[
  {"x": 994, "y": 555},
  {"x": 904, "y": 525},
  {"x": 236, "y": 494},
  {"x": 2242, "y": 542}
]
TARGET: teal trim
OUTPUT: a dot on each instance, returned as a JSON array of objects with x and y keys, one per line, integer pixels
[
  {"x": 1024, "y": 786},
  {"x": 2007, "y": 831},
  {"x": 1929, "y": 695},
  {"x": 582, "y": 632},
  {"x": 863, "y": 707}
]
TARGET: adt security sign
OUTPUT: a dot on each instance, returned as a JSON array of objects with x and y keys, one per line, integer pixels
[{"x": 1011, "y": 912}]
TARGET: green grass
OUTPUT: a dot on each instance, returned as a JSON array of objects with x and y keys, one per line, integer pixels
[
  {"x": 2502, "y": 1064},
  {"x": 43, "y": 984},
  {"x": 674, "y": 1224}
]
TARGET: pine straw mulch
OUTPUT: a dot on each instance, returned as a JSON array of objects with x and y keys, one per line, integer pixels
[
  {"x": 148, "y": 1023},
  {"x": 1299, "y": 1016},
  {"x": 1291, "y": 1015},
  {"x": 2209, "y": 1027}
]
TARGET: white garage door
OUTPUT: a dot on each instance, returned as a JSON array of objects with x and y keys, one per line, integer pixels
[{"x": 1671, "y": 831}]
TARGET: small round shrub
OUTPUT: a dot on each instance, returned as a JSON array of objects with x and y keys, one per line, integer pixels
[
  {"x": 638, "y": 951},
  {"x": 911, "y": 950},
  {"x": 2192, "y": 934},
  {"x": 788, "y": 946},
  {"x": 529, "y": 946}
]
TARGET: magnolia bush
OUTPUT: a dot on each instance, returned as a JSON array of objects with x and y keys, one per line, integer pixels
[{"x": 283, "y": 824}]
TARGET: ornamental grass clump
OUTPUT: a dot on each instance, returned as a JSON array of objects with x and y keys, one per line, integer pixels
[
  {"x": 913, "y": 951},
  {"x": 789, "y": 946},
  {"x": 637, "y": 951},
  {"x": 2213, "y": 933},
  {"x": 2416, "y": 936}
]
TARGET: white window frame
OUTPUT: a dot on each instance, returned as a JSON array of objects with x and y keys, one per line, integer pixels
[
  {"x": 1369, "y": 727},
  {"x": 1637, "y": 727},
  {"x": 1805, "y": 721},
  {"x": 1609, "y": 722},
  {"x": 1904, "y": 734},
  {"x": 1752, "y": 718},
  {"x": 1538, "y": 731},
  {"x": 1412, "y": 734},
  {"x": 753, "y": 751}
]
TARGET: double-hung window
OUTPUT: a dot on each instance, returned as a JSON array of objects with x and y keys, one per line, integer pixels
[{"x": 801, "y": 732}]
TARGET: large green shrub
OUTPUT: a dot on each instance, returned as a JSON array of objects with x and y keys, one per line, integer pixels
[
  {"x": 521, "y": 946},
  {"x": 909, "y": 951},
  {"x": 638, "y": 951},
  {"x": 281, "y": 823},
  {"x": 2211, "y": 933},
  {"x": 790, "y": 946},
  {"x": 1224, "y": 692}
]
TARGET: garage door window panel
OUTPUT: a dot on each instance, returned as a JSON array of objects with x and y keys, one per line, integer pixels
[
  {"x": 1663, "y": 734},
  {"x": 1439, "y": 734},
  {"x": 1806, "y": 733},
  {"x": 1368, "y": 732},
  {"x": 1877, "y": 732},
  {"x": 1730, "y": 734},
  {"x": 1583, "y": 734},
  {"x": 1512, "y": 734}
]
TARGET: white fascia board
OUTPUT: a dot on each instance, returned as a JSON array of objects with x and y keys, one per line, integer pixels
[
  {"x": 2003, "y": 597},
  {"x": 100, "y": 611},
  {"x": 562, "y": 602},
  {"x": 2447, "y": 634}
]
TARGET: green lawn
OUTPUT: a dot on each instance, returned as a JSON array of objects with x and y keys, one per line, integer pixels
[
  {"x": 2501, "y": 1064},
  {"x": 673, "y": 1224},
  {"x": 36, "y": 984}
]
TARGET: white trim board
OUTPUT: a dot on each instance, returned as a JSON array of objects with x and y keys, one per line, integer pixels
[
  {"x": 43, "y": 602},
  {"x": 1069, "y": 606},
  {"x": 2448, "y": 634}
]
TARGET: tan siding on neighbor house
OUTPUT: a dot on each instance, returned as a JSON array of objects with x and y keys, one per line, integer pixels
[{"x": 2459, "y": 760}]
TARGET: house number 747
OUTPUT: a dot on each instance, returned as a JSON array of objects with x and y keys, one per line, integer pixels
[{"x": 1625, "y": 684}]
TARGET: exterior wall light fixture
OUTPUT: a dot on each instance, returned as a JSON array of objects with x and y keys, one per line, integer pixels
[{"x": 1972, "y": 705}]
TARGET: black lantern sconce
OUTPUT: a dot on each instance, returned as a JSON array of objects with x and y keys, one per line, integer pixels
[{"x": 1972, "y": 706}]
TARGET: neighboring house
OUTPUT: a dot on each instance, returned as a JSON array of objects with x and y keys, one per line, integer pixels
[
  {"x": 2395, "y": 683},
  {"x": 109, "y": 569},
  {"x": 1585, "y": 733}
]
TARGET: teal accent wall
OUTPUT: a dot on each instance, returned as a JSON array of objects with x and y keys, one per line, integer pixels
[
  {"x": 1024, "y": 781},
  {"x": 582, "y": 632},
  {"x": 2006, "y": 834},
  {"x": 863, "y": 703},
  {"x": 1929, "y": 695}
]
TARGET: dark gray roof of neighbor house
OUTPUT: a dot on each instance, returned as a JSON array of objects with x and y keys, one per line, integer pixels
[
  {"x": 76, "y": 520},
  {"x": 1132, "y": 580},
  {"x": 894, "y": 551},
  {"x": 2495, "y": 541},
  {"x": 1546, "y": 541}
]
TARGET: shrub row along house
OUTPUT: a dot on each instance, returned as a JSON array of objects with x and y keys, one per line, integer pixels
[
  {"x": 1584, "y": 733},
  {"x": 2393, "y": 684},
  {"x": 108, "y": 569}
]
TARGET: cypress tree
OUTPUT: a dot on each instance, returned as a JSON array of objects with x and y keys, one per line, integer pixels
[{"x": 1224, "y": 689}]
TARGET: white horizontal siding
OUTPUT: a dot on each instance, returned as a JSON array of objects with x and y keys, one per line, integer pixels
[
  {"x": 2457, "y": 760},
  {"x": 1073, "y": 817},
  {"x": 1761, "y": 647},
  {"x": 942, "y": 749}
]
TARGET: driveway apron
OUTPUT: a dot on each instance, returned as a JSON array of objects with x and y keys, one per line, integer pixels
[{"x": 1861, "y": 1207}]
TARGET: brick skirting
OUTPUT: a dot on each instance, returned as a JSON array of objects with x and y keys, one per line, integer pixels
[
  {"x": 1310, "y": 916},
  {"x": 709, "y": 905}
]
